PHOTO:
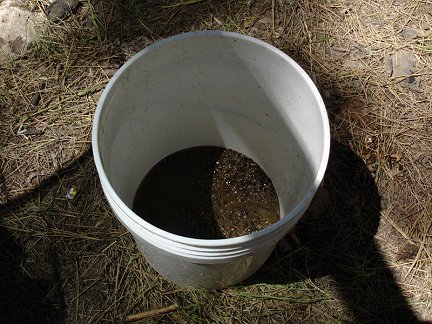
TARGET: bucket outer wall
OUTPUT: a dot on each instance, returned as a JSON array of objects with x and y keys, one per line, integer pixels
[
  {"x": 193, "y": 271},
  {"x": 123, "y": 114}
]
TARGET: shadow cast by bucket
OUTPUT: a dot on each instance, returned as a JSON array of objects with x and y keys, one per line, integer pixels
[
  {"x": 339, "y": 243},
  {"x": 24, "y": 298},
  {"x": 44, "y": 263},
  {"x": 31, "y": 283}
]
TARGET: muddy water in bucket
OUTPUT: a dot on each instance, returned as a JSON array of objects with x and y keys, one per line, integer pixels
[{"x": 207, "y": 192}]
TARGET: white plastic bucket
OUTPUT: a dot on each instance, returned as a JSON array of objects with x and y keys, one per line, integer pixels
[{"x": 210, "y": 88}]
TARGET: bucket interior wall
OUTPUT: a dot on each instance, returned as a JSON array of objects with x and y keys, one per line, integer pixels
[{"x": 226, "y": 92}]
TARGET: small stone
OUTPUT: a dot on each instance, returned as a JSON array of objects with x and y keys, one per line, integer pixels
[
  {"x": 36, "y": 98},
  {"x": 412, "y": 33},
  {"x": 407, "y": 251},
  {"x": 414, "y": 86},
  {"x": 19, "y": 29},
  {"x": 403, "y": 64},
  {"x": 260, "y": 27},
  {"x": 61, "y": 9},
  {"x": 110, "y": 72},
  {"x": 355, "y": 65}
]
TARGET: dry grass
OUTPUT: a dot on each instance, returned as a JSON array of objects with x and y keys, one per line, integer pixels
[{"x": 366, "y": 259}]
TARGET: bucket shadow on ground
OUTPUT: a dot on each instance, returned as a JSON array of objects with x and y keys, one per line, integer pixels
[
  {"x": 37, "y": 272},
  {"x": 30, "y": 283},
  {"x": 339, "y": 243},
  {"x": 24, "y": 298}
]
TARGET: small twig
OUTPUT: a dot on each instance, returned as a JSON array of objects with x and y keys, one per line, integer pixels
[
  {"x": 81, "y": 93},
  {"x": 416, "y": 259},
  {"x": 152, "y": 313},
  {"x": 183, "y": 3},
  {"x": 273, "y": 17},
  {"x": 292, "y": 299},
  {"x": 392, "y": 223}
]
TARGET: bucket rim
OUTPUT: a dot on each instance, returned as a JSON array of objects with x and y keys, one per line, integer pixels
[{"x": 211, "y": 243}]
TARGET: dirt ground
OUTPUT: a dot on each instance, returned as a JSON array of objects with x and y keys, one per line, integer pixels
[{"x": 361, "y": 254}]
